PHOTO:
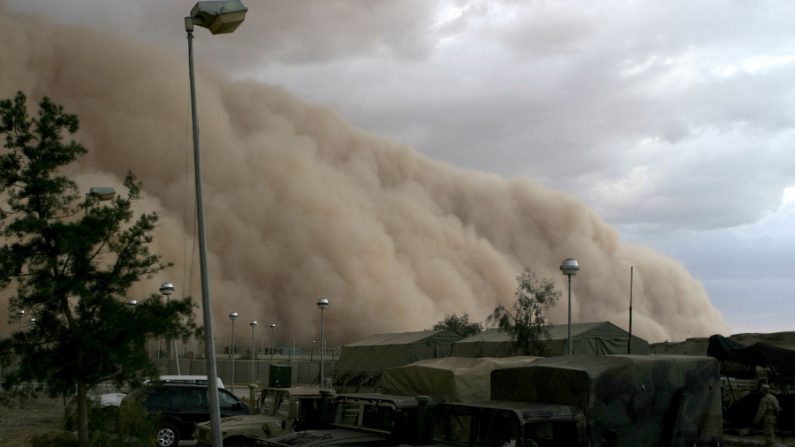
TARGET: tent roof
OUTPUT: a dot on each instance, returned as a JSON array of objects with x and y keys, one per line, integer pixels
[
  {"x": 602, "y": 337},
  {"x": 404, "y": 338},
  {"x": 780, "y": 360},
  {"x": 556, "y": 332}
]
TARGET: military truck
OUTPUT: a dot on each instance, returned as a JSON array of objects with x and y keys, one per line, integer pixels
[
  {"x": 592, "y": 401},
  {"x": 366, "y": 419},
  {"x": 277, "y": 411}
]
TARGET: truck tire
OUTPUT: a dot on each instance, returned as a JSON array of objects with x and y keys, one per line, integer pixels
[{"x": 167, "y": 435}]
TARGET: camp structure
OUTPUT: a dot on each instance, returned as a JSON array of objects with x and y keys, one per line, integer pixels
[
  {"x": 600, "y": 338},
  {"x": 744, "y": 367},
  {"x": 779, "y": 362},
  {"x": 362, "y": 363},
  {"x": 451, "y": 379}
]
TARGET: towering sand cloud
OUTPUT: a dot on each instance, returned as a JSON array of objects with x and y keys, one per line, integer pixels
[{"x": 300, "y": 205}]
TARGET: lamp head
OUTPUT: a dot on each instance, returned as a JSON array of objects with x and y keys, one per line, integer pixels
[
  {"x": 322, "y": 303},
  {"x": 166, "y": 289},
  {"x": 233, "y": 316},
  {"x": 252, "y": 324},
  {"x": 569, "y": 267},
  {"x": 101, "y": 193},
  {"x": 132, "y": 303},
  {"x": 273, "y": 325},
  {"x": 220, "y": 17}
]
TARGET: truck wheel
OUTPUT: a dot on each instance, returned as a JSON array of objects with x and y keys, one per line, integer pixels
[{"x": 167, "y": 435}]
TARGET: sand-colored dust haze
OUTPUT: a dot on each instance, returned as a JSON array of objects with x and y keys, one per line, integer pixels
[{"x": 300, "y": 205}]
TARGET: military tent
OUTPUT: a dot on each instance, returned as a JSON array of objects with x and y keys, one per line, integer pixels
[
  {"x": 600, "y": 338},
  {"x": 452, "y": 379},
  {"x": 361, "y": 363},
  {"x": 780, "y": 361}
]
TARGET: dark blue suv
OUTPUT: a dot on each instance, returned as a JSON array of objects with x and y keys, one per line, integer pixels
[{"x": 181, "y": 406}]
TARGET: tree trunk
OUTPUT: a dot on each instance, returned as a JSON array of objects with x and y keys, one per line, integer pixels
[{"x": 82, "y": 414}]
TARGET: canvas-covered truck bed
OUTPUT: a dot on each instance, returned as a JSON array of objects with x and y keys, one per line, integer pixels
[{"x": 627, "y": 401}]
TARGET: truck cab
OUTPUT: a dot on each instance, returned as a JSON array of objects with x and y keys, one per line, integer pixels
[{"x": 367, "y": 419}]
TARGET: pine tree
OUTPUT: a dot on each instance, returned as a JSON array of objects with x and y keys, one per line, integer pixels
[{"x": 68, "y": 262}]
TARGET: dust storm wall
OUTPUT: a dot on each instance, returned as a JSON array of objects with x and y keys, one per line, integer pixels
[{"x": 300, "y": 205}]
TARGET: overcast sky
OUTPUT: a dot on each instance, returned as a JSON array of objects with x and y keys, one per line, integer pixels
[{"x": 673, "y": 120}]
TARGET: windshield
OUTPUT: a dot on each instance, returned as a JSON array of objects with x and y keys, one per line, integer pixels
[
  {"x": 274, "y": 403},
  {"x": 476, "y": 426},
  {"x": 365, "y": 414}
]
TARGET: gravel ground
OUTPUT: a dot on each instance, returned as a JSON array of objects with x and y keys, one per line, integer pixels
[{"x": 20, "y": 420}]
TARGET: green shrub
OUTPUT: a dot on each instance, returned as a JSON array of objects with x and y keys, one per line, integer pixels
[
  {"x": 125, "y": 426},
  {"x": 54, "y": 439}
]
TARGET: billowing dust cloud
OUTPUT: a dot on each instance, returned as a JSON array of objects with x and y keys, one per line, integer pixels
[{"x": 299, "y": 205}]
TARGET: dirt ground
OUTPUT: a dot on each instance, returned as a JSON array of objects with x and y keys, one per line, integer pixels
[{"x": 20, "y": 420}]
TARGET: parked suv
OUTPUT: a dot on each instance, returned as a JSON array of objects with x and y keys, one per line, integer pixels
[{"x": 180, "y": 406}]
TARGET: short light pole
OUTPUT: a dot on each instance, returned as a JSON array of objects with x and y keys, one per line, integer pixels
[
  {"x": 273, "y": 339},
  {"x": 20, "y": 316},
  {"x": 570, "y": 267},
  {"x": 322, "y": 303},
  {"x": 132, "y": 304},
  {"x": 219, "y": 17},
  {"x": 167, "y": 289},
  {"x": 232, "y": 316},
  {"x": 253, "y": 325}
]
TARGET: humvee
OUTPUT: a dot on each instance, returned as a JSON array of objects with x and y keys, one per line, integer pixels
[
  {"x": 277, "y": 410},
  {"x": 365, "y": 419}
]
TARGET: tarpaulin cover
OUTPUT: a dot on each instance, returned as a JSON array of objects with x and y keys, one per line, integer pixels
[
  {"x": 600, "y": 338},
  {"x": 452, "y": 379},
  {"x": 780, "y": 360},
  {"x": 373, "y": 354},
  {"x": 628, "y": 400}
]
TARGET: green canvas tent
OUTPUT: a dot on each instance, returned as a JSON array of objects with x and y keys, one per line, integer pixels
[
  {"x": 452, "y": 379},
  {"x": 361, "y": 363},
  {"x": 599, "y": 338}
]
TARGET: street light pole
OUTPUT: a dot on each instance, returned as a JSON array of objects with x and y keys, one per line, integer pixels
[
  {"x": 233, "y": 316},
  {"x": 253, "y": 324},
  {"x": 569, "y": 268},
  {"x": 167, "y": 289},
  {"x": 322, "y": 304},
  {"x": 273, "y": 339},
  {"x": 218, "y": 17}
]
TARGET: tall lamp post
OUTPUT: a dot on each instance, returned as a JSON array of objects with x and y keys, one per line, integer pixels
[
  {"x": 569, "y": 268},
  {"x": 322, "y": 304},
  {"x": 273, "y": 339},
  {"x": 233, "y": 316},
  {"x": 167, "y": 289},
  {"x": 219, "y": 17},
  {"x": 253, "y": 324}
]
